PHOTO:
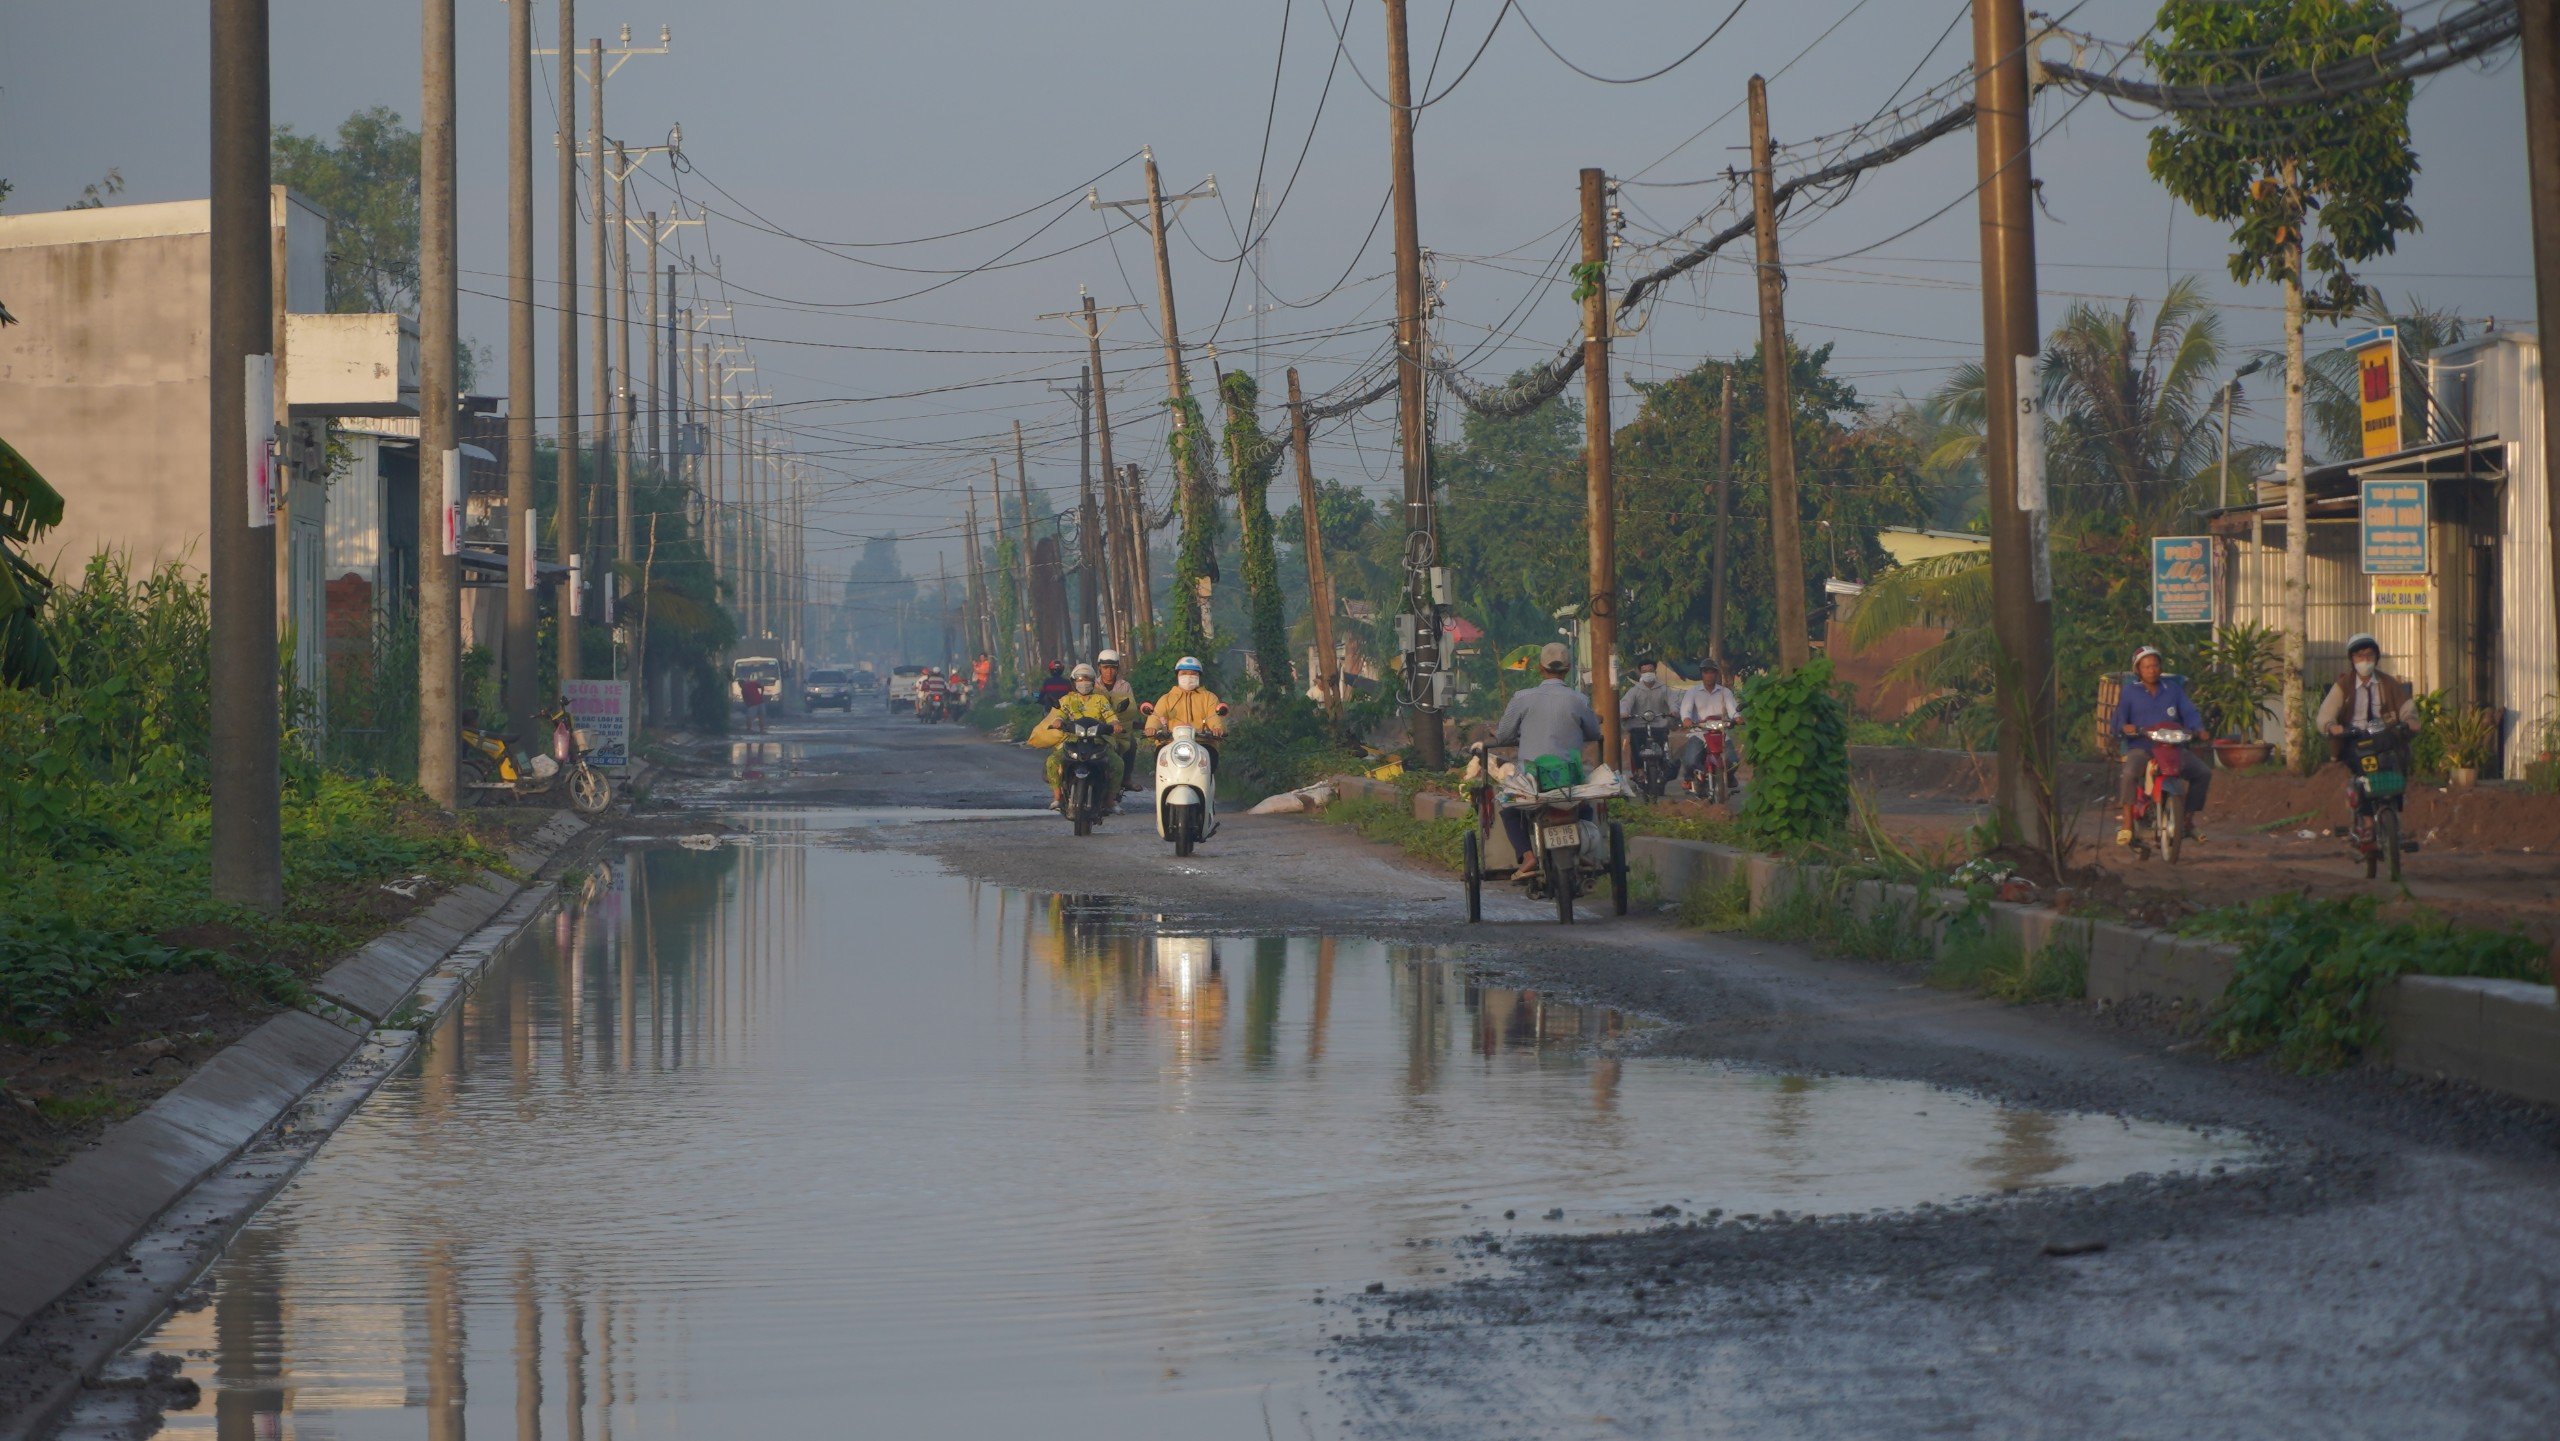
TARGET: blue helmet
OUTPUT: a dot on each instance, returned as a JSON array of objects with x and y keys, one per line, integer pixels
[{"x": 1187, "y": 663}]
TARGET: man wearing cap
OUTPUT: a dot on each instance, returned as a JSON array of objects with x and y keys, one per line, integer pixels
[
  {"x": 1108, "y": 683},
  {"x": 1081, "y": 702},
  {"x": 2152, "y": 701},
  {"x": 1550, "y": 718},
  {"x": 1189, "y": 703}
]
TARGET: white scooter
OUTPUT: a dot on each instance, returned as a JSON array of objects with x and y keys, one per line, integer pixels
[{"x": 1186, "y": 789}]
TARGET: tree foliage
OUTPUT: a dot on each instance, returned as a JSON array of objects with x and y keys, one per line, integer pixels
[
  {"x": 2341, "y": 167},
  {"x": 367, "y": 181}
]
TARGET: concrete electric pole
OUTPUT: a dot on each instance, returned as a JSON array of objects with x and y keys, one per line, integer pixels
[
  {"x": 2539, "y": 44},
  {"x": 2021, "y": 578},
  {"x": 1328, "y": 666},
  {"x": 247, "y": 843},
  {"x": 1786, "y": 546},
  {"x": 571, "y": 497},
  {"x": 522, "y": 667},
  {"x": 439, "y": 461},
  {"x": 1422, "y": 560},
  {"x": 1601, "y": 493}
]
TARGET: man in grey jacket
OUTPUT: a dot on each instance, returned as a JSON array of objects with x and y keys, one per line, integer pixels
[{"x": 1550, "y": 718}]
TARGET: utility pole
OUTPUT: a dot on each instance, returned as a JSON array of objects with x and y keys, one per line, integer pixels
[
  {"x": 1601, "y": 491},
  {"x": 1089, "y": 320},
  {"x": 619, "y": 427},
  {"x": 1088, "y": 521},
  {"x": 2021, "y": 577},
  {"x": 942, "y": 598},
  {"x": 1724, "y": 518},
  {"x": 2539, "y": 45},
  {"x": 440, "y": 467},
  {"x": 522, "y": 668},
  {"x": 597, "y": 321},
  {"x": 1030, "y": 604},
  {"x": 1319, "y": 587},
  {"x": 657, "y": 322},
  {"x": 1133, "y": 494},
  {"x": 976, "y": 579},
  {"x": 566, "y": 462},
  {"x": 1190, "y": 447},
  {"x": 1009, "y": 647},
  {"x": 668, "y": 399},
  {"x": 1422, "y": 559},
  {"x": 247, "y": 841},
  {"x": 1786, "y": 547}
]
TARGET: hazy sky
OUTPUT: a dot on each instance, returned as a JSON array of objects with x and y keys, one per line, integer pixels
[{"x": 866, "y": 123}]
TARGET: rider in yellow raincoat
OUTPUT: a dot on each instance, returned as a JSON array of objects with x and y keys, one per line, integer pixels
[{"x": 1082, "y": 703}]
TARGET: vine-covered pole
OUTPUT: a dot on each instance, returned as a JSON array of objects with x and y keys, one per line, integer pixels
[
  {"x": 1430, "y": 747},
  {"x": 2021, "y": 585},
  {"x": 1319, "y": 585}
]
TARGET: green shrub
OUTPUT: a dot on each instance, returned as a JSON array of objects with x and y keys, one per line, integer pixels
[
  {"x": 1798, "y": 747},
  {"x": 2310, "y": 972}
]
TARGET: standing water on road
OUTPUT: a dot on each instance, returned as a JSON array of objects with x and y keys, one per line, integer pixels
[{"x": 791, "y": 1139}]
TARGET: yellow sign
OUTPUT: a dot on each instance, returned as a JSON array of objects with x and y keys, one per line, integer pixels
[
  {"x": 2400, "y": 594},
  {"x": 2378, "y": 389}
]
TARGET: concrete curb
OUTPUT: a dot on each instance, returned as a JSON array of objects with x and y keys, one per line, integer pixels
[
  {"x": 57, "y": 1234},
  {"x": 2500, "y": 1035}
]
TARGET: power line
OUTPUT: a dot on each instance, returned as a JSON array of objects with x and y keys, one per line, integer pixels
[{"x": 1690, "y": 54}]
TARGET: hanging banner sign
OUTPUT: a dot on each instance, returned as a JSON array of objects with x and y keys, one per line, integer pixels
[
  {"x": 2182, "y": 579},
  {"x": 258, "y": 426},
  {"x": 2393, "y": 518},
  {"x": 2401, "y": 594},
  {"x": 2377, "y": 355},
  {"x": 532, "y": 550},
  {"x": 602, "y": 708},
  {"x": 452, "y": 471}
]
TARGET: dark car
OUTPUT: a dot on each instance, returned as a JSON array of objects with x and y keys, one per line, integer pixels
[{"x": 828, "y": 688}]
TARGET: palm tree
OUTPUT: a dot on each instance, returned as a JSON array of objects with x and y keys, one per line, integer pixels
[{"x": 2134, "y": 411}]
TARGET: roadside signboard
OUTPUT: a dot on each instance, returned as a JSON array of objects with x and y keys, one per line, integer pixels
[
  {"x": 2182, "y": 579},
  {"x": 2394, "y": 525},
  {"x": 602, "y": 708},
  {"x": 2377, "y": 355},
  {"x": 2400, "y": 594}
]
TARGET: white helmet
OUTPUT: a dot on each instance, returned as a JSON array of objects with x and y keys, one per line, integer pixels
[{"x": 1108, "y": 657}]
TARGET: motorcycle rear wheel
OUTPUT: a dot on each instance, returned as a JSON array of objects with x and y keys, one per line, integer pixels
[
  {"x": 2173, "y": 826},
  {"x": 1560, "y": 879},
  {"x": 1471, "y": 856}
]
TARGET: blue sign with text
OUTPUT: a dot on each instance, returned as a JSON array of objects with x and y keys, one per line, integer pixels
[{"x": 2394, "y": 516}]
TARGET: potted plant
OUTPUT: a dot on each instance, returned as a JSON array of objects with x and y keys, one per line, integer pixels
[
  {"x": 2237, "y": 676},
  {"x": 2470, "y": 741}
]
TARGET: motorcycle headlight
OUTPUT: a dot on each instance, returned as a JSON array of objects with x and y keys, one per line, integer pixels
[{"x": 1182, "y": 753}]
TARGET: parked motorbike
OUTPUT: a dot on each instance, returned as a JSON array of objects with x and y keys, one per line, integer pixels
[
  {"x": 1186, "y": 788},
  {"x": 2160, "y": 806},
  {"x": 1649, "y": 759},
  {"x": 1084, "y": 773},
  {"x": 1712, "y": 781},
  {"x": 494, "y": 770},
  {"x": 2378, "y": 787},
  {"x": 1569, "y": 832}
]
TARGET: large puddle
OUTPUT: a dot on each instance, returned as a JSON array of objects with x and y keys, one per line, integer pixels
[{"x": 796, "y": 1140}]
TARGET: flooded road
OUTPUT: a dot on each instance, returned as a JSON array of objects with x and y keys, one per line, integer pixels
[{"x": 799, "y": 1135}]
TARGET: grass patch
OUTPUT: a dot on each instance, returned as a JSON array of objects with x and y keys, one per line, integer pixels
[
  {"x": 1438, "y": 842},
  {"x": 2311, "y": 971},
  {"x": 2271, "y": 827},
  {"x": 1972, "y": 959}
]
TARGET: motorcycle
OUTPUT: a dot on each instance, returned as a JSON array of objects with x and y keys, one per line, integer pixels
[
  {"x": 1712, "y": 781},
  {"x": 1566, "y": 834},
  {"x": 495, "y": 770},
  {"x": 2378, "y": 787},
  {"x": 2160, "y": 806},
  {"x": 929, "y": 706},
  {"x": 1649, "y": 758},
  {"x": 1186, "y": 788},
  {"x": 1084, "y": 773}
]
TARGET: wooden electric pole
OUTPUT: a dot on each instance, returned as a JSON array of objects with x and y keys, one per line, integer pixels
[
  {"x": 2539, "y": 46},
  {"x": 565, "y": 462},
  {"x": 1142, "y": 581},
  {"x": 1724, "y": 518},
  {"x": 1030, "y": 606},
  {"x": 439, "y": 461},
  {"x": 2021, "y": 583},
  {"x": 1319, "y": 586},
  {"x": 622, "y": 390},
  {"x": 1197, "y": 500},
  {"x": 1786, "y": 547},
  {"x": 522, "y": 666},
  {"x": 1601, "y": 491},
  {"x": 1088, "y": 520},
  {"x": 247, "y": 844},
  {"x": 599, "y": 332},
  {"x": 1430, "y": 747}
]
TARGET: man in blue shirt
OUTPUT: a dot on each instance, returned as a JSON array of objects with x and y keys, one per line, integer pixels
[{"x": 2154, "y": 701}]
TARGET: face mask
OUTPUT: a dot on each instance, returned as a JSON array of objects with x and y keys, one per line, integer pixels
[
  {"x": 2364, "y": 668},
  {"x": 1084, "y": 687},
  {"x": 1187, "y": 681}
]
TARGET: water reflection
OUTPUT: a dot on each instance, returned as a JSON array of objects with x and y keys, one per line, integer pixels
[{"x": 783, "y": 1139}]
